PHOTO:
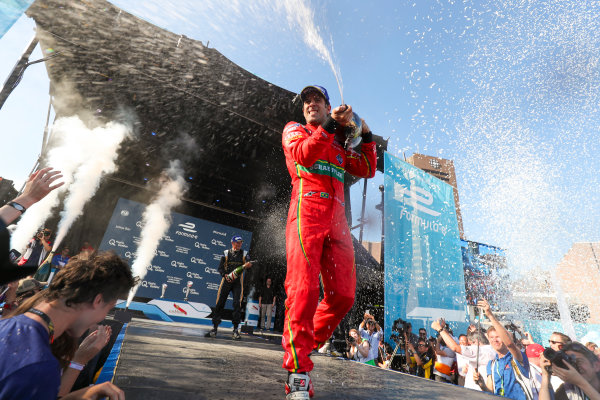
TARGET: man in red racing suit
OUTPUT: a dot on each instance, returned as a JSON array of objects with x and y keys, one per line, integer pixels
[{"x": 318, "y": 239}]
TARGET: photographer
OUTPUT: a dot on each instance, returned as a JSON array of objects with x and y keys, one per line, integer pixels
[
  {"x": 580, "y": 375},
  {"x": 357, "y": 347},
  {"x": 37, "y": 249},
  {"x": 424, "y": 357},
  {"x": 371, "y": 334}
]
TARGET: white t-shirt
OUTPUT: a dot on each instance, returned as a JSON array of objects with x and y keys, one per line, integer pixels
[
  {"x": 447, "y": 360},
  {"x": 535, "y": 380},
  {"x": 486, "y": 353}
]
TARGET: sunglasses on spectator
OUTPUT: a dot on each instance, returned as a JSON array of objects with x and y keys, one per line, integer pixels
[
  {"x": 553, "y": 342},
  {"x": 421, "y": 345}
]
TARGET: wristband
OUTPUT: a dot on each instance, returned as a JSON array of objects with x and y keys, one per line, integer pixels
[
  {"x": 17, "y": 206},
  {"x": 75, "y": 365}
]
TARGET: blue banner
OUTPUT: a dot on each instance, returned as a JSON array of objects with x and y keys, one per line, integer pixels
[
  {"x": 423, "y": 263},
  {"x": 189, "y": 251},
  {"x": 10, "y": 12}
]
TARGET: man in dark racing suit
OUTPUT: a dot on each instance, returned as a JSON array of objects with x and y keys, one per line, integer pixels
[
  {"x": 318, "y": 240},
  {"x": 232, "y": 259}
]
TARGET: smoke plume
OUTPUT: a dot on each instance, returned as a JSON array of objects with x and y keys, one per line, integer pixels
[
  {"x": 156, "y": 220},
  {"x": 74, "y": 149}
]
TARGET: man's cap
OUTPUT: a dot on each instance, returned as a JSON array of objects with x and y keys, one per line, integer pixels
[
  {"x": 9, "y": 271},
  {"x": 534, "y": 350},
  {"x": 314, "y": 88},
  {"x": 236, "y": 238}
]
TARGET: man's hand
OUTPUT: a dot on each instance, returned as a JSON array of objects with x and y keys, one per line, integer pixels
[
  {"x": 527, "y": 340},
  {"x": 342, "y": 114},
  {"x": 438, "y": 324},
  {"x": 545, "y": 364},
  {"x": 484, "y": 305},
  {"x": 368, "y": 316},
  {"x": 227, "y": 278},
  {"x": 92, "y": 344},
  {"x": 569, "y": 374},
  {"x": 96, "y": 392},
  {"x": 477, "y": 377},
  {"x": 248, "y": 265},
  {"x": 40, "y": 183}
]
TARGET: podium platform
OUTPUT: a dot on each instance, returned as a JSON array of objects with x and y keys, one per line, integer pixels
[{"x": 173, "y": 361}]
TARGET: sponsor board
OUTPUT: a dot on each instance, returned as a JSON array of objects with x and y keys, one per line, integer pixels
[
  {"x": 182, "y": 309},
  {"x": 190, "y": 250}
]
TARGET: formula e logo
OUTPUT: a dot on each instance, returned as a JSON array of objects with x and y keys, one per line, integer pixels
[
  {"x": 417, "y": 197},
  {"x": 188, "y": 227}
]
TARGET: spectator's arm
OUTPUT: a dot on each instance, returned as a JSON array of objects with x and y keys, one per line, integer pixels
[
  {"x": 363, "y": 348},
  {"x": 438, "y": 349},
  {"x": 502, "y": 332},
  {"x": 97, "y": 392},
  {"x": 484, "y": 385},
  {"x": 46, "y": 245},
  {"x": 572, "y": 376},
  {"x": 40, "y": 183},
  {"x": 418, "y": 359},
  {"x": 259, "y": 301},
  {"x": 439, "y": 325},
  {"x": 274, "y": 300},
  {"x": 546, "y": 392},
  {"x": 87, "y": 350}
]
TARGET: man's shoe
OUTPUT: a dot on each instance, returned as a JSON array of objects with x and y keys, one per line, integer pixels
[
  {"x": 236, "y": 335},
  {"x": 299, "y": 386},
  {"x": 212, "y": 333}
]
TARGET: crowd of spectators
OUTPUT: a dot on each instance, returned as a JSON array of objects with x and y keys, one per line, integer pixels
[
  {"x": 50, "y": 327},
  {"x": 500, "y": 359}
]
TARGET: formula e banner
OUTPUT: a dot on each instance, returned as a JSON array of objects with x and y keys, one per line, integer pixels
[
  {"x": 190, "y": 251},
  {"x": 423, "y": 262}
]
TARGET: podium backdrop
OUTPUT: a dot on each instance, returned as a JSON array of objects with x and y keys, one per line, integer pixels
[{"x": 190, "y": 251}]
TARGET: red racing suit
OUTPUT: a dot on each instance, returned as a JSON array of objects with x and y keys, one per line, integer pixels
[{"x": 318, "y": 238}]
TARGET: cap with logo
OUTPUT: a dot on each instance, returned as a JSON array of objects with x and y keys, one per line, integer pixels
[
  {"x": 314, "y": 88},
  {"x": 236, "y": 238}
]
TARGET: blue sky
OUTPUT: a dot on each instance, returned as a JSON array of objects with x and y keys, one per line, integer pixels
[{"x": 508, "y": 90}]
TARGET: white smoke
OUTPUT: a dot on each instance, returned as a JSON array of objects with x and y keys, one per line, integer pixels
[
  {"x": 73, "y": 145},
  {"x": 101, "y": 153},
  {"x": 156, "y": 220}
]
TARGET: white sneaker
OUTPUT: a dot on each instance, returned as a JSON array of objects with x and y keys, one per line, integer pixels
[{"x": 299, "y": 386}]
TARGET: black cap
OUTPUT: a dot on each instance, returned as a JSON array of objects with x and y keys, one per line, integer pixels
[{"x": 10, "y": 271}]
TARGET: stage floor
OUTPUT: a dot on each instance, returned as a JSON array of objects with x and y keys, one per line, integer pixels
[{"x": 176, "y": 362}]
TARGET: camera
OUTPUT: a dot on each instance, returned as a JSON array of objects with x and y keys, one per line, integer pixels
[
  {"x": 558, "y": 358},
  {"x": 351, "y": 339},
  {"x": 399, "y": 328}
]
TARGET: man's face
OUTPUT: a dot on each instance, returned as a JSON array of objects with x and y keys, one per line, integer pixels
[
  {"x": 371, "y": 325},
  {"x": 315, "y": 108},
  {"x": 421, "y": 346},
  {"x": 463, "y": 341},
  {"x": 496, "y": 342},
  {"x": 556, "y": 342},
  {"x": 422, "y": 334},
  {"x": 236, "y": 245},
  {"x": 66, "y": 251},
  {"x": 91, "y": 314},
  {"x": 268, "y": 281}
]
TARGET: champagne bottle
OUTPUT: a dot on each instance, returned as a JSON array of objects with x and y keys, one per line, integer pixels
[
  {"x": 235, "y": 273},
  {"x": 43, "y": 272}
]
